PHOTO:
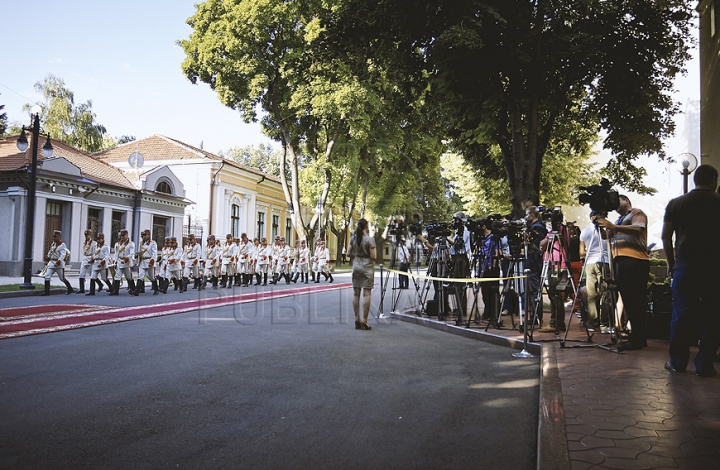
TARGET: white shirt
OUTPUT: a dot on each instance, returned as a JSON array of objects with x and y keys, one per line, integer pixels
[{"x": 590, "y": 237}]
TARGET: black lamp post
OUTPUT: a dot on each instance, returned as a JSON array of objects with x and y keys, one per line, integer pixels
[
  {"x": 688, "y": 162},
  {"x": 47, "y": 150}
]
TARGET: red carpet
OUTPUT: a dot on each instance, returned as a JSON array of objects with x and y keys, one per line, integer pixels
[{"x": 25, "y": 321}]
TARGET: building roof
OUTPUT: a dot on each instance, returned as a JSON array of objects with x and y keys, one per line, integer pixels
[
  {"x": 96, "y": 170},
  {"x": 161, "y": 148}
]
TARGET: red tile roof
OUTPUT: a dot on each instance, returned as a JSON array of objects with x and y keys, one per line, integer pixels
[
  {"x": 159, "y": 148},
  {"x": 100, "y": 172}
]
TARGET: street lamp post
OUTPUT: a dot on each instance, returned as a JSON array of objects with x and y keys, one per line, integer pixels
[
  {"x": 47, "y": 150},
  {"x": 688, "y": 163}
]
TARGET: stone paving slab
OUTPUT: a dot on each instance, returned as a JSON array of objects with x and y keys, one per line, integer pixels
[{"x": 624, "y": 410}]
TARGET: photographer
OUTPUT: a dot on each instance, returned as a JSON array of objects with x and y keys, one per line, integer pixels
[
  {"x": 537, "y": 232},
  {"x": 459, "y": 249},
  {"x": 632, "y": 268},
  {"x": 490, "y": 254},
  {"x": 596, "y": 262},
  {"x": 403, "y": 256},
  {"x": 557, "y": 277}
]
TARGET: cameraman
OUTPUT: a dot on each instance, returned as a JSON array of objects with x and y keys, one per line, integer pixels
[
  {"x": 632, "y": 268},
  {"x": 459, "y": 249},
  {"x": 596, "y": 262},
  {"x": 490, "y": 254},
  {"x": 538, "y": 232}
]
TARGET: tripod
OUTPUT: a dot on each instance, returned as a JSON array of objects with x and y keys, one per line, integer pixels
[
  {"x": 486, "y": 259},
  {"x": 438, "y": 266}
]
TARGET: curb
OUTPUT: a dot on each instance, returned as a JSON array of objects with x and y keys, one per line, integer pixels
[
  {"x": 31, "y": 293},
  {"x": 552, "y": 448}
]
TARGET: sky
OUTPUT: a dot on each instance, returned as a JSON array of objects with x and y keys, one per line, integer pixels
[{"x": 123, "y": 56}]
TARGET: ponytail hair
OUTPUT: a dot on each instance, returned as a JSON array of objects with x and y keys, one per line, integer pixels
[{"x": 360, "y": 231}]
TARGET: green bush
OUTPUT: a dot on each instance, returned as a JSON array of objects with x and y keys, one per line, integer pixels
[{"x": 658, "y": 262}]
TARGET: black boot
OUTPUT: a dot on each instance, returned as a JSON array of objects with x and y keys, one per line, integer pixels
[
  {"x": 155, "y": 289},
  {"x": 237, "y": 280},
  {"x": 306, "y": 276},
  {"x": 176, "y": 284},
  {"x": 133, "y": 289},
  {"x": 325, "y": 275},
  {"x": 140, "y": 286},
  {"x": 183, "y": 284},
  {"x": 92, "y": 287},
  {"x": 110, "y": 285},
  {"x": 331, "y": 278},
  {"x": 258, "y": 279},
  {"x": 46, "y": 291},
  {"x": 265, "y": 279},
  {"x": 70, "y": 289},
  {"x": 115, "y": 289},
  {"x": 312, "y": 274},
  {"x": 295, "y": 277},
  {"x": 82, "y": 286},
  {"x": 223, "y": 280},
  {"x": 99, "y": 284},
  {"x": 196, "y": 283}
]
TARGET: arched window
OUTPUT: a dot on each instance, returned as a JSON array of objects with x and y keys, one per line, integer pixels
[{"x": 163, "y": 187}]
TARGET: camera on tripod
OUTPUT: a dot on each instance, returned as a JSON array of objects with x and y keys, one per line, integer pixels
[
  {"x": 396, "y": 227},
  {"x": 554, "y": 216},
  {"x": 600, "y": 197},
  {"x": 438, "y": 229}
]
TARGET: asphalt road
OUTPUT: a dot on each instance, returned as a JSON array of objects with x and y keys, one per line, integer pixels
[{"x": 287, "y": 383}]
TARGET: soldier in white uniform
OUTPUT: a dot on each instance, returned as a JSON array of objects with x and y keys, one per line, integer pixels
[
  {"x": 124, "y": 257},
  {"x": 323, "y": 256},
  {"x": 254, "y": 246},
  {"x": 303, "y": 256},
  {"x": 176, "y": 263},
  {"x": 146, "y": 255},
  {"x": 212, "y": 252},
  {"x": 88, "y": 248},
  {"x": 226, "y": 260},
  {"x": 243, "y": 259},
  {"x": 284, "y": 259},
  {"x": 163, "y": 273},
  {"x": 265, "y": 253},
  {"x": 55, "y": 260},
  {"x": 193, "y": 255},
  {"x": 315, "y": 268},
  {"x": 100, "y": 259}
]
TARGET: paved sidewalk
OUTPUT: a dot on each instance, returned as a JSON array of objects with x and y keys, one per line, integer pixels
[{"x": 620, "y": 411}]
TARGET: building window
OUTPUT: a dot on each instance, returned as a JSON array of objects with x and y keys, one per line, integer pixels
[
  {"x": 93, "y": 221},
  {"x": 117, "y": 225},
  {"x": 261, "y": 225},
  {"x": 276, "y": 226},
  {"x": 288, "y": 231},
  {"x": 164, "y": 187},
  {"x": 235, "y": 220},
  {"x": 159, "y": 229},
  {"x": 54, "y": 208}
]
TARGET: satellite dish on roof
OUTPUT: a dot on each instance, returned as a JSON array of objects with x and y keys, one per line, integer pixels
[{"x": 136, "y": 160}]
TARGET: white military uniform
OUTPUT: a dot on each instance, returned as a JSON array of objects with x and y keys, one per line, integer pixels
[
  {"x": 87, "y": 256},
  {"x": 100, "y": 260},
  {"x": 147, "y": 254}
]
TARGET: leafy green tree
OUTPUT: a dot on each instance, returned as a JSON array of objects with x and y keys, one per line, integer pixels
[
  {"x": 510, "y": 74},
  {"x": 64, "y": 120},
  {"x": 263, "y": 157},
  {"x": 3, "y": 121}
]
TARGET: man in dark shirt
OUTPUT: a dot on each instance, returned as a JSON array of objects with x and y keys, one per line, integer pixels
[
  {"x": 538, "y": 232},
  {"x": 694, "y": 219}
]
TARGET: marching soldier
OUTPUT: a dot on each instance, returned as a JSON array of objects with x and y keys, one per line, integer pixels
[
  {"x": 100, "y": 259},
  {"x": 147, "y": 254},
  {"x": 324, "y": 263},
  {"x": 226, "y": 259},
  {"x": 164, "y": 271},
  {"x": 176, "y": 263},
  {"x": 86, "y": 263},
  {"x": 315, "y": 270},
  {"x": 192, "y": 264},
  {"x": 233, "y": 276},
  {"x": 55, "y": 259},
  {"x": 253, "y": 261},
  {"x": 212, "y": 251},
  {"x": 302, "y": 262},
  {"x": 243, "y": 255},
  {"x": 284, "y": 261},
  {"x": 124, "y": 256},
  {"x": 264, "y": 259}
]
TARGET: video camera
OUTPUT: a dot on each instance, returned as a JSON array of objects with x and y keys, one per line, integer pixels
[
  {"x": 438, "y": 229},
  {"x": 600, "y": 197},
  {"x": 554, "y": 216},
  {"x": 396, "y": 227}
]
